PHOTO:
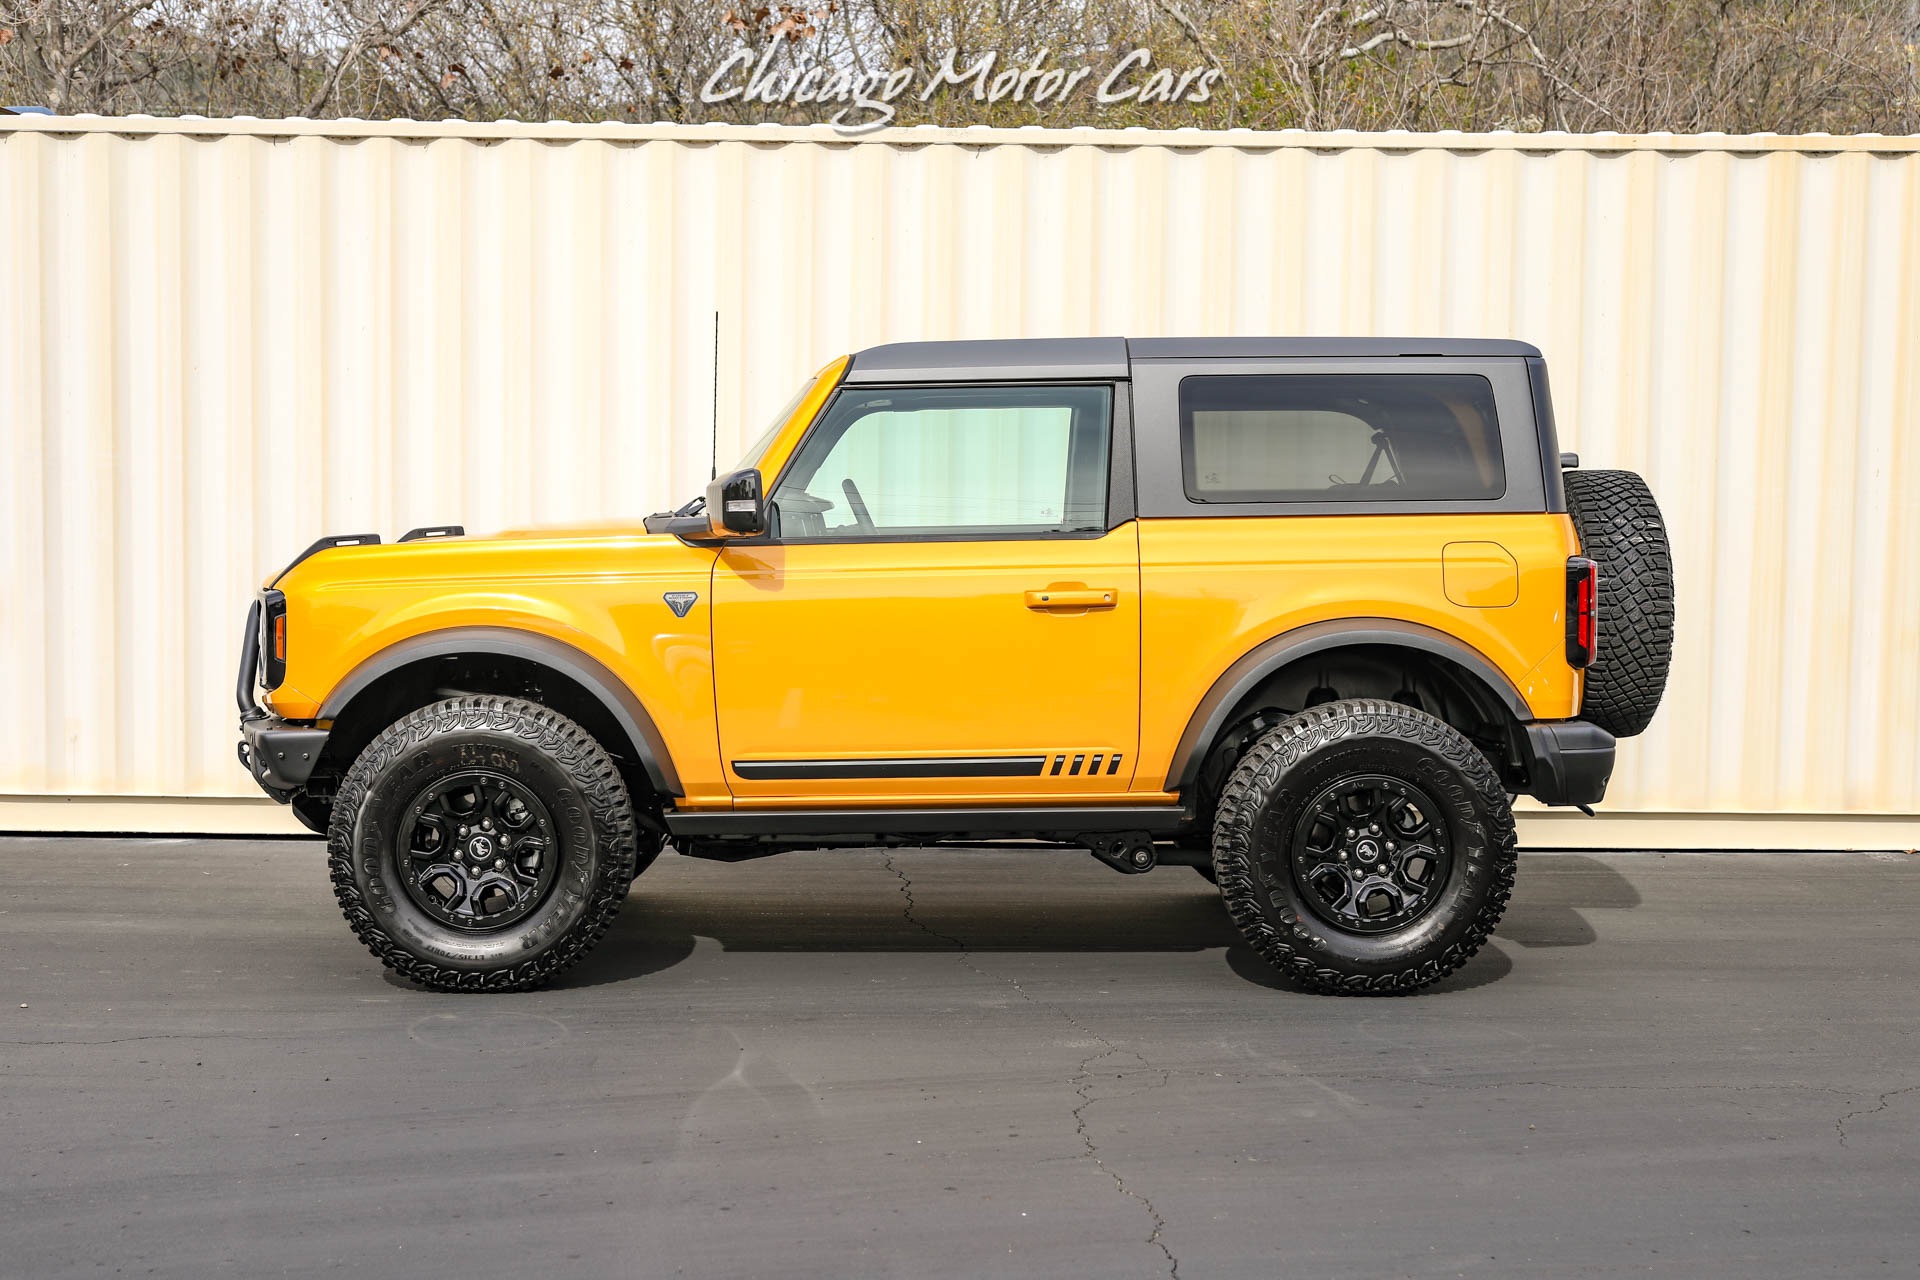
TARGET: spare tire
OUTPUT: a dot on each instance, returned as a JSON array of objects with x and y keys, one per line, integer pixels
[{"x": 1621, "y": 530}]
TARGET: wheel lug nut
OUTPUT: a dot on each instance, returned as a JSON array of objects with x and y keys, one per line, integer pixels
[
  {"x": 1351, "y": 833},
  {"x": 1374, "y": 829},
  {"x": 463, "y": 831},
  {"x": 499, "y": 864}
]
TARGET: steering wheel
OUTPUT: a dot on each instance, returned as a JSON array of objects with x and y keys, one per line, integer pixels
[{"x": 861, "y": 516}]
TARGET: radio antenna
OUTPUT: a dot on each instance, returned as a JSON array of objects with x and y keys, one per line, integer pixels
[{"x": 716, "y": 397}]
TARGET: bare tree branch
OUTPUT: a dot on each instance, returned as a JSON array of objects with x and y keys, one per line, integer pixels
[{"x": 1634, "y": 65}]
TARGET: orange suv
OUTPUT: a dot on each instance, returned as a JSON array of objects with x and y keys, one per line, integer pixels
[{"x": 1302, "y": 614}]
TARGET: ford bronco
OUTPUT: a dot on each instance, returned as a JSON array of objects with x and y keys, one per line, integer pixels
[{"x": 1302, "y": 614}]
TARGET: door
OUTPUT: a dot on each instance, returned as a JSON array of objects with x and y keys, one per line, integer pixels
[{"x": 944, "y": 609}]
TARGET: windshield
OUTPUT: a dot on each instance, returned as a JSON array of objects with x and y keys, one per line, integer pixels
[
  {"x": 751, "y": 458},
  {"x": 757, "y": 451}
]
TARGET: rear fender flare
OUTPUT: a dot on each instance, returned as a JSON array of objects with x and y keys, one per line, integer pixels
[{"x": 1209, "y": 719}]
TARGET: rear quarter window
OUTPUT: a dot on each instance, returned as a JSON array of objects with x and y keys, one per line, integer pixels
[{"x": 1366, "y": 438}]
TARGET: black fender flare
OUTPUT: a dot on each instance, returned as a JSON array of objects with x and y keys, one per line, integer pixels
[
  {"x": 582, "y": 668},
  {"x": 1209, "y": 719}
]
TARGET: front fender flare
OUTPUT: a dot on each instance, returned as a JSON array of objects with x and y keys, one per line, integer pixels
[{"x": 582, "y": 668}]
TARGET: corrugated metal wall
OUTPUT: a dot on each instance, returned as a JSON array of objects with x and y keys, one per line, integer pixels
[{"x": 219, "y": 339}]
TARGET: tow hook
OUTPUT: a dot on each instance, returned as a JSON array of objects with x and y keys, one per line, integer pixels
[{"x": 1128, "y": 852}]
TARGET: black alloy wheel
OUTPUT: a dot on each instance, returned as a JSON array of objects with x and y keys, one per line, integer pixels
[
  {"x": 1370, "y": 854},
  {"x": 476, "y": 851}
]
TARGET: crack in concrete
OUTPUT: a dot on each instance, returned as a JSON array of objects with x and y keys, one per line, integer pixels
[
  {"x": 1082, "y": 1079},
  {"x": 1083, "y": 1088},
  {"x": 906, "y": 891},
  {"x": 1886, "y": 1099}
]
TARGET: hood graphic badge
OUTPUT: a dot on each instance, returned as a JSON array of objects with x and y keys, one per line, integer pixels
[{"x": 680, "y": 601}]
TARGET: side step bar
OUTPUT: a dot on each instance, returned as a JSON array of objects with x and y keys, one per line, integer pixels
[{"x": 971, "y": 823}]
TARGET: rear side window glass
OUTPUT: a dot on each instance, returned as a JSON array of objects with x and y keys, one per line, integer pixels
[{"x": 1367, "y": 437}]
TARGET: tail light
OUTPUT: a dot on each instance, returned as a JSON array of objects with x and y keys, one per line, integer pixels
[
  {"x": 1583, "y": 611},
  {"x": 273, "y": 639}
]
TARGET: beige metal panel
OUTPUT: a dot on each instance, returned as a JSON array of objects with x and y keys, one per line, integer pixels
[{"x": 226, "y": 337}]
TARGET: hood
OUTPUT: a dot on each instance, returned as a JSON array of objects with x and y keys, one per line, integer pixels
[{"x": 363, "y": 556}]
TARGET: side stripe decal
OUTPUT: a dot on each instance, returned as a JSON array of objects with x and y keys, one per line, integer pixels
[
  {"x": 1049, "y": 765},
  {"x": 925, "y": 767}
]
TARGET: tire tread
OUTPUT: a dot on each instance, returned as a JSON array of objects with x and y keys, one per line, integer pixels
[
  {"x": 1621, "y": 530},
  {"x": 1283, "y": 938},
  {"x": 545, "y": 730}
]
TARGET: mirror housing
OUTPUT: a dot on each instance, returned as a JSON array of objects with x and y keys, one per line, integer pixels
[{"x": 736, "y": 507}]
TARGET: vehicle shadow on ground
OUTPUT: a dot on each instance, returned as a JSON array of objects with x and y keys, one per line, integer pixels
[
  {"x": 656, "y": 931},
  {"x": 1550, "y": 901},
  {"x": 1553, "y": 895}
]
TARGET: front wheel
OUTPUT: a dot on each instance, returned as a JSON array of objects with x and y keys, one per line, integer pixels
[
  {"x": 1364, "y": 847},
  {"x": 481, "y": 844}
]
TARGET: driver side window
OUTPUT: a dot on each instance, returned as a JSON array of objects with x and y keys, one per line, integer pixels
[{"x": 950, "y": 462}]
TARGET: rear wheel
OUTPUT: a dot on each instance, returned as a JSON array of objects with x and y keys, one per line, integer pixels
[
  {"x": 1364, "y": 847},
  {"x": 481, "y": 844}
]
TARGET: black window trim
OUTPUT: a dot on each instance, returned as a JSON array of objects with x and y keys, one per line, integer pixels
[
  {"x": 1162, "y": 482},
  {"x": 1548, "y": 434},
  {"x": 1121, "y": 503}
]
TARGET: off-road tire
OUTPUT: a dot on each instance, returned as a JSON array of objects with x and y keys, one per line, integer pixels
[
  {"x": 1269, "y": 792},
  {"x": 554, "y": 758},
  {"x": 1621, "y": 531}
]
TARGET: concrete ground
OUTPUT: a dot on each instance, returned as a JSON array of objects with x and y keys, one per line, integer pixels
[{"x": 957, "y": 1064}]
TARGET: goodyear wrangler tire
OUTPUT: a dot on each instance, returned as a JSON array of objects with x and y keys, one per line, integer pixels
[
  {"x": 1621, "y": 531},
  {"x": 1364, "y": 847},
  {"x": 481, "y": 844}
]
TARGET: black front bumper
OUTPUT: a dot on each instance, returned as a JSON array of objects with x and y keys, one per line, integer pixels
[
  {"x": 279, "y": 754},
  {"x": 1568, "y": 761}
]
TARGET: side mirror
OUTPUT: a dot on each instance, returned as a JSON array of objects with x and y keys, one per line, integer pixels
[{"x": 735, "y": 506}]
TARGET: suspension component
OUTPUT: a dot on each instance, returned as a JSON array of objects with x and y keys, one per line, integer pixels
[{"x": 1128, "y": 852}]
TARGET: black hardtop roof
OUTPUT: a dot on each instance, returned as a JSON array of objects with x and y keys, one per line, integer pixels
[{"x": 966, "y": 361}]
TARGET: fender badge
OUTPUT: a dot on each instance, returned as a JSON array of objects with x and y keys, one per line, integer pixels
[{"x": 680, "y": 601}]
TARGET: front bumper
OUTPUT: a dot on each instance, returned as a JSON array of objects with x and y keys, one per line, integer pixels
[
  {"x": 1569, "y": 762},
  {"x": 279, "y": 754}
]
